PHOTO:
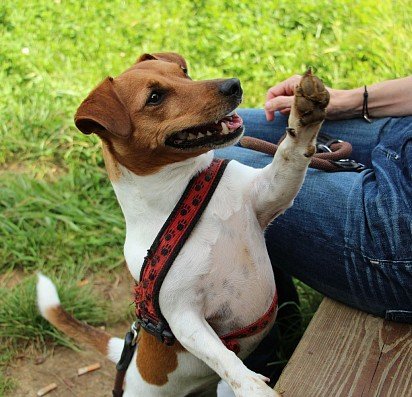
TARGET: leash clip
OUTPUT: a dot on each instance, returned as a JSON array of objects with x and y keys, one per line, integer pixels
[
  {"x": 129, "y": 347},
  {"x": 135, "y": 331},
  {"x": 348, "y": 165},
  {"x": 324, "y": 143},
  {"x": 322, "y": 148}
]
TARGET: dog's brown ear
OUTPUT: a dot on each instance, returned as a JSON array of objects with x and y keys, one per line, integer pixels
[
  {"x": 165, "y": 56},
  {"x": 103, "y": 111}
]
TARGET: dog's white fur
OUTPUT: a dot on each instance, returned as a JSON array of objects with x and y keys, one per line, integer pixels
[
  {"x": 223, "y": 271},
  {"x": 47, "y": 296}
]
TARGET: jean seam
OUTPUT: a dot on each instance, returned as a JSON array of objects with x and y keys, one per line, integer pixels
[{"x": 377, "y": 261}]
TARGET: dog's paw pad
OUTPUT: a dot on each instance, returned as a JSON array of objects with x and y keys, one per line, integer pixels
[{"x": 311, "y": 99}]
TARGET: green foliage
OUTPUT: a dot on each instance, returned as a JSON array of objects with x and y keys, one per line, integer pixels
[
  {"x": 58, "y": 211},
  {"x": 21, "y": 321},
  {"x": 71, "y": 221}
]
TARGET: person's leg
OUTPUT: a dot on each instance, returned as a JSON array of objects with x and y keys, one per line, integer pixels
[
  {"x": 320, "y": 239},
  {"x": 348, "y": 235}
]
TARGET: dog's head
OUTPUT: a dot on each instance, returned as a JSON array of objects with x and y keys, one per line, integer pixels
[{"x": 154, "y": 114}]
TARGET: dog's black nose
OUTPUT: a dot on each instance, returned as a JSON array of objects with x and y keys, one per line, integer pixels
[{"x": 231, "y": 87}]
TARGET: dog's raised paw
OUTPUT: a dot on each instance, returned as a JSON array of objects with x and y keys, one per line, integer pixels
[{"x": 311, "y": 99}]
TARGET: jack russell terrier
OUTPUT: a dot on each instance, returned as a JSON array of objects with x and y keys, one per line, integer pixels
[{"x": 158, "y": 128}]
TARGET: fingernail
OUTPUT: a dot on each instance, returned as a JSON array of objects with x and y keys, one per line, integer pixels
[{"x": 267, "y": 105}]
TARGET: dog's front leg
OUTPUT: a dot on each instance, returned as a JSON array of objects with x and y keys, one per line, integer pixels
[
  {"x": 196, "y": 335},
  {"x": 278, "y": 183}
]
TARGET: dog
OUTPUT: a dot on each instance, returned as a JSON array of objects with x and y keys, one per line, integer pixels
[{"x": 158, "y": 129}]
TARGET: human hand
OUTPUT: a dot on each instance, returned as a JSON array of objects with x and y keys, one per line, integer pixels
[
  {"x": 343, "y": 103},
  {"x": 280, "y": 97}
]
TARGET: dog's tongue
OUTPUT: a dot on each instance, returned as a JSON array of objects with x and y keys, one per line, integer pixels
[
  {"x": 233, "y": 122},
  {"x": 225, "y": 125}
]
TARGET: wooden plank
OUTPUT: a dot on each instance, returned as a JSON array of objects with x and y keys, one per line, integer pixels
[
  {"x": 393, "y": 374},
  {"x": 345, "y": 352}
]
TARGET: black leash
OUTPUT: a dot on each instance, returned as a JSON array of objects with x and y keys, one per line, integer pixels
[{"x": 130, "y": 342}]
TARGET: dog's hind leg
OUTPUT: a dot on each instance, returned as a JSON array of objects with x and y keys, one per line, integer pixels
[
  {"x": 276, "y": 186},
  {"x": 196, "y": 335}
]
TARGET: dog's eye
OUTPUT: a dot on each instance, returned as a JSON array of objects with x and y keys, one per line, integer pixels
[
  {"x": 155, "y": 98},
  {"x": 186, "y": 72}
]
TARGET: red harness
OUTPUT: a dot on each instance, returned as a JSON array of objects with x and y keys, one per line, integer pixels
[{"x": 164, "y": 251}]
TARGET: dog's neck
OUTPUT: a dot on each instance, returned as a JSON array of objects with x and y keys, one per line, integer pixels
[{"x": 159, "y": 192}]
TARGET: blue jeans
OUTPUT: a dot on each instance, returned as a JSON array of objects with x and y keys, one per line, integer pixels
[{"x": 348, "y": 235}]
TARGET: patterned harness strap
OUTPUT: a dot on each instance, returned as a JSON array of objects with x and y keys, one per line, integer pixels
[
  {"x": 231, "y": 339},
  {"x": 167, "y": 246},
  {"x": 164, "y": 251}
]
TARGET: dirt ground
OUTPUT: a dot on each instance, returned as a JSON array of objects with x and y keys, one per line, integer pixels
[
  {"x": 32, "y": 371},
  {"x": 60, "y": 367}
]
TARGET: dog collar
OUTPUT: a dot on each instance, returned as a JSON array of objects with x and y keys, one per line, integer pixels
[{"x": 164, "y": 251}]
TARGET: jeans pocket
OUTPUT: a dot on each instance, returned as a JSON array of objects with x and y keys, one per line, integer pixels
[
  {"x": 389, "y": 153},
  {"x": 400, "y": 316}
]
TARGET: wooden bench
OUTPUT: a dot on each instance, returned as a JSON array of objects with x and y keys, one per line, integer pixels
[{"x": 345, "y": 352}]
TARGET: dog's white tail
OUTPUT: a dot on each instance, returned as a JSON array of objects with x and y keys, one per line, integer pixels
[{"x": 50, "y": 308}]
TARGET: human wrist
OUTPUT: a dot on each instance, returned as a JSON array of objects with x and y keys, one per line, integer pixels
[{"x": 345, "y": 104}]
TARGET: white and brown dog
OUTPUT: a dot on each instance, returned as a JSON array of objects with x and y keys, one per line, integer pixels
[{"x": 158, "y": 129}]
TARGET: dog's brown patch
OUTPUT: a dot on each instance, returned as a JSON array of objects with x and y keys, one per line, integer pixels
[
  {"x": 155, "y": 360},
  {"x": 285, "y": 157},
  {"x": 112, "y": 166},
  {"x": 310, "y": 151},
  {"x": 78, "y": 330}
]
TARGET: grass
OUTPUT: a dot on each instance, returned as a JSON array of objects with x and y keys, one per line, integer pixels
[
  {"x": 21, "y": 306},
  {"x": 58, "y": 212}
]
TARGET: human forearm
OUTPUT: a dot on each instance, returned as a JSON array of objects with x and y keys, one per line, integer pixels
[{"x": 389, "y": 98}]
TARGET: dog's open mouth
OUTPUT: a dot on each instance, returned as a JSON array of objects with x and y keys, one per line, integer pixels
[{"x": 220, "y": 132}]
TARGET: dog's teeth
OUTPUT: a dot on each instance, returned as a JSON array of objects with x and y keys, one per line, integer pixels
[
  {"x": 216, "y": 121},
  {"x": 200, "y": 135},
  {"x": 192, "y": 136},
  {"x": 225, "y": 130},
  {"x": 231, "y": 113},
  {"x": 209, "y": 133}
]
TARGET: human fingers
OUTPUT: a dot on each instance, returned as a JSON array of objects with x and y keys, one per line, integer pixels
[
  {"x": 279, "y": 103},
  {"x": 285, "y": 88}
]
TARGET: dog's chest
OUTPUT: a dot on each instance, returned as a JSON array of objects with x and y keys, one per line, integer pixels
[
  {"x": 224, "y": 217},
  {"x": 224, "y": 262}
]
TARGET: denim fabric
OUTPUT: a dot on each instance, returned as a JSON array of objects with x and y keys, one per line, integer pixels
[{"x": 348, "y": 235}]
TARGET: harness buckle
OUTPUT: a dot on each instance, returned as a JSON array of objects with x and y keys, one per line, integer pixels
[{"x": 158, "y": 330}]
